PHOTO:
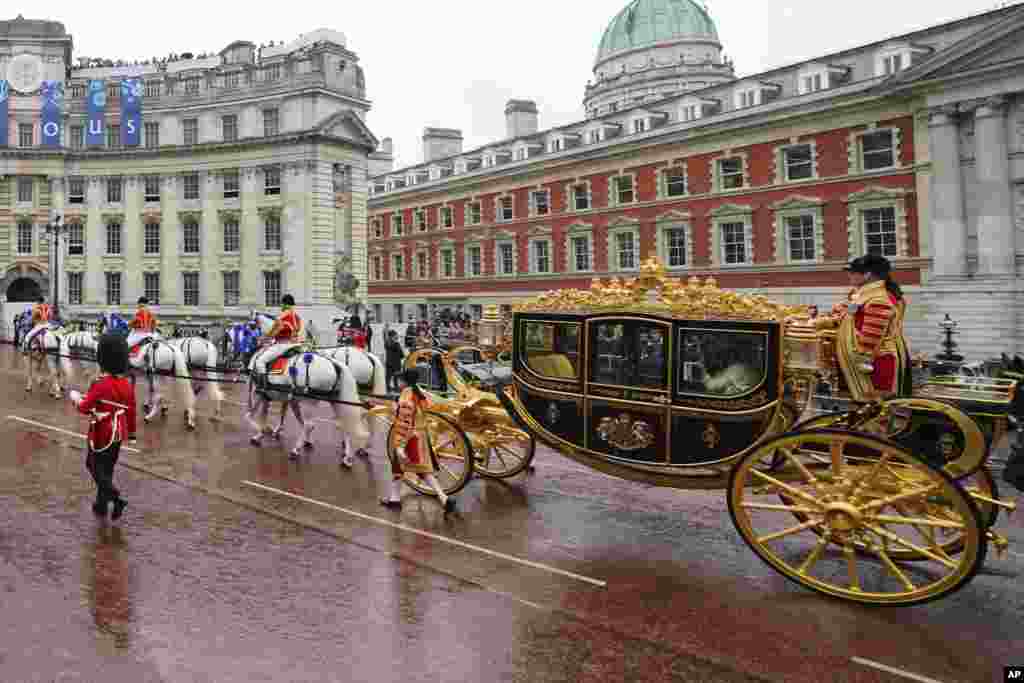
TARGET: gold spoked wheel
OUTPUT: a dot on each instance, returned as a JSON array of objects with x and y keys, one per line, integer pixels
[
  {"x": 855, "y": 492},
  {"x": 450, "y": 451},
  {"x": 502, "y": 452}
]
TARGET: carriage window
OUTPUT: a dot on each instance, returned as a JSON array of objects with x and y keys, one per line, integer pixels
[
  {"x": 719, "y": 363},
  {"x": 628, "y": 354},
  {"x": 552, "y": 349}
]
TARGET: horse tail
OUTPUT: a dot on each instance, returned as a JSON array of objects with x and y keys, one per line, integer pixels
[
  {"x": 353, "y": 418},
  {"x": 182, "y": 380},
  {"x": 380, "y": 380},
  {"x": 211, "y": 372},
  {"x": 67, "y": 368}
]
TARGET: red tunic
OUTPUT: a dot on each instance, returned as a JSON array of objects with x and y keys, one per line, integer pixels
[
  {"x": 143, "y": 321},
  {"x": 288, "y": 326},
  {"x": 116, "y": 390},
  {"x": 41, "y": 313}
]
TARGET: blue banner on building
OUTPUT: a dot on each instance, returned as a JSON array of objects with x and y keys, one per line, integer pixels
[
  {"x": 96, "y": 107},
  {"x": 5, "y": 90},
  {"x": 131, "y": 111},
  {"x": 52, "y": 112}
]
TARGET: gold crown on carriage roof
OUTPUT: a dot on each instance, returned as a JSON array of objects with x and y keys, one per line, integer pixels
[{"x": 656, "y": 293}]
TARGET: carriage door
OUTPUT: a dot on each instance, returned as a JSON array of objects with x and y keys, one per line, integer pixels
[{"x": 628, "y": 401}]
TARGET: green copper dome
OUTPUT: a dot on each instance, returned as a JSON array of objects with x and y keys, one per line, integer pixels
[{"x": 645, "y": 23}]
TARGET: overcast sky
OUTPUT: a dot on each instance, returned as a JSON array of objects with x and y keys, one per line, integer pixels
[{"x": 454, "y": 63}]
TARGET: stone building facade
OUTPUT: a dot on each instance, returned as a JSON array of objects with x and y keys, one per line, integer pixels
[
  {"x": 769, "y": 183},
  {"x": 249, "y": 182}
]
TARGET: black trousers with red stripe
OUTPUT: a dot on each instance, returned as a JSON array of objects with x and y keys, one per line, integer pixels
[{"x": 101, "y": 466}]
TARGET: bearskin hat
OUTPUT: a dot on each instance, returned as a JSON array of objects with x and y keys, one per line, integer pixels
[
  {"x": 112, "y": 354},
  {"x": 288, "y": 300}
]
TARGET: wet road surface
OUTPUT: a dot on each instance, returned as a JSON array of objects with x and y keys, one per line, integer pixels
[{"x": 216, "y": 573}]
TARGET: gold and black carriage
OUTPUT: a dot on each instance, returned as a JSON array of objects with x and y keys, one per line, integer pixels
[{"x": 682, "y": 384}]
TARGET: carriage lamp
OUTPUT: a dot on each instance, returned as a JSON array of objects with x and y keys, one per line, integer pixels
[{"x": 489, "y": 328}]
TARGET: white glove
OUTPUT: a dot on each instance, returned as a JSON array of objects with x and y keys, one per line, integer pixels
[{"x": 75, "y": 397}]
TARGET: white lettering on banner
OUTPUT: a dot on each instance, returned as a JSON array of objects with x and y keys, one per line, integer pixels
[
  {"x": 51, "y": 129},
  {"x": 97, "y": 128},
  {"x": 129, "y": 126}
]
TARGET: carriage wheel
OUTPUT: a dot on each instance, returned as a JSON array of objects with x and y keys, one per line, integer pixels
[
  {"x": 857, "y": 495},
  {"x": 450, "y": 450},
  {"x": 504, "y": 454}
]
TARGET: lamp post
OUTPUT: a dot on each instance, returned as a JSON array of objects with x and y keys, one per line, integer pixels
[
  {"x": 948, "y": 361},
  {"x": 54, "y": 231}
]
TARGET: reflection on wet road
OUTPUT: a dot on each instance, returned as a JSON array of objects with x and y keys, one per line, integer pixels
[{"x": 299, "y": 575}]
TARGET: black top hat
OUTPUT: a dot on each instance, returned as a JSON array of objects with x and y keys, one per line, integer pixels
[
  {"x": 112, "y": 353},
  {"x": 870, "y": 263},
  {"x": 143, "y": 301},
  {"x": 287, "y": 300}
]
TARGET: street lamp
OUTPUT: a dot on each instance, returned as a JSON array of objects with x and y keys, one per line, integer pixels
[{"x": 54, "y": 231}]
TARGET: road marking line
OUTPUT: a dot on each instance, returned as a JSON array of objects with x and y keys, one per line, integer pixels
[
  {"x": 62, "y": 431},
  {"x": 427, "y": 534},
  {"x": 893, "y": 670}
]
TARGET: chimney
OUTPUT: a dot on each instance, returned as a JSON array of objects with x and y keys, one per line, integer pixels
[
  {"x": 382, "y": 161},
  {"x": 520, "y": 118},
  {"x": 441, "y": 142}
]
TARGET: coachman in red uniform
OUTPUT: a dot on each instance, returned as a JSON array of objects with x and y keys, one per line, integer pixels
[{"x": 111, "y": 404}]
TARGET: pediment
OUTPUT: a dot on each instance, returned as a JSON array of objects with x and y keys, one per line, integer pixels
[
  {"x": 999, "y": 44},
  {"x": 877, "y": 193},
  {"x": 798, "y": 202},
  {"x": 674, "y": 215},
  {"x": 624, "y": 222},
  {"x": 347, "y": 126},
  {"x": 731, "y": 209}
]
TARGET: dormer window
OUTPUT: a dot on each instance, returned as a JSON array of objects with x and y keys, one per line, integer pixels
[
  {"x": 640, "y": 126},
  {"x": 689, "y": 112},
  {"x": 748, "y": 98},
  {"x": 522, "y": 154},
  {"x": 892, "y": 63},
  {"x": 897, "y": 57},
  {"x": 556, "y": 145},
  {"x": 813, "y": 83},
  {"x": 594, "y": 136}
]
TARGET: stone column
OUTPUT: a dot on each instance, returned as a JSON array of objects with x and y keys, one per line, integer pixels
[
  {"x": 132, "y": 235},
  {"x": 250, "y": 225},
  {"x": 996, "y": 248},
  {"x": 95, "y": 281},
  {"x": 211, "y": 289},
  {"x": 170, "y": 242},
  {"x": 949, "y": 228}
]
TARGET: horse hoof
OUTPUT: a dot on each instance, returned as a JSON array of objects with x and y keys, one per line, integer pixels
[
  {"x": 146, "y": 407},
  {"x": 363, "y": 453},
  {"x": 307, "y": 445},
  {"x": 294, "y": 455},
  {"x": 346, "y": 461},
  {"x": 163, "y": 411},
  {"x": 147, "y": 419},
  {"x": 255, "y": 440}
]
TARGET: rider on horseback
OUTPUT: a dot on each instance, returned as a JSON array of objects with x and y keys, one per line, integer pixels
[
  {"x": 143, "y": 325},
  {"x": 41, "y": 314},
  {"x": 286, "y": 333}
]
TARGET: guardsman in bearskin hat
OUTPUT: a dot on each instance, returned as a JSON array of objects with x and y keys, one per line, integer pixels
[
  {"x": 111, "y": 404},
  {"x": 873, "y": 353},
  {"x": 411, "y": 453}
]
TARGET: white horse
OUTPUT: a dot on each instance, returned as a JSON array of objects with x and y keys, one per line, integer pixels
[
  {"x": 201, "y": 355},
  {"x": 369, "y": 373},
  {"x": 283, "y": 372},
  {"x": 46, "y": 349}
]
